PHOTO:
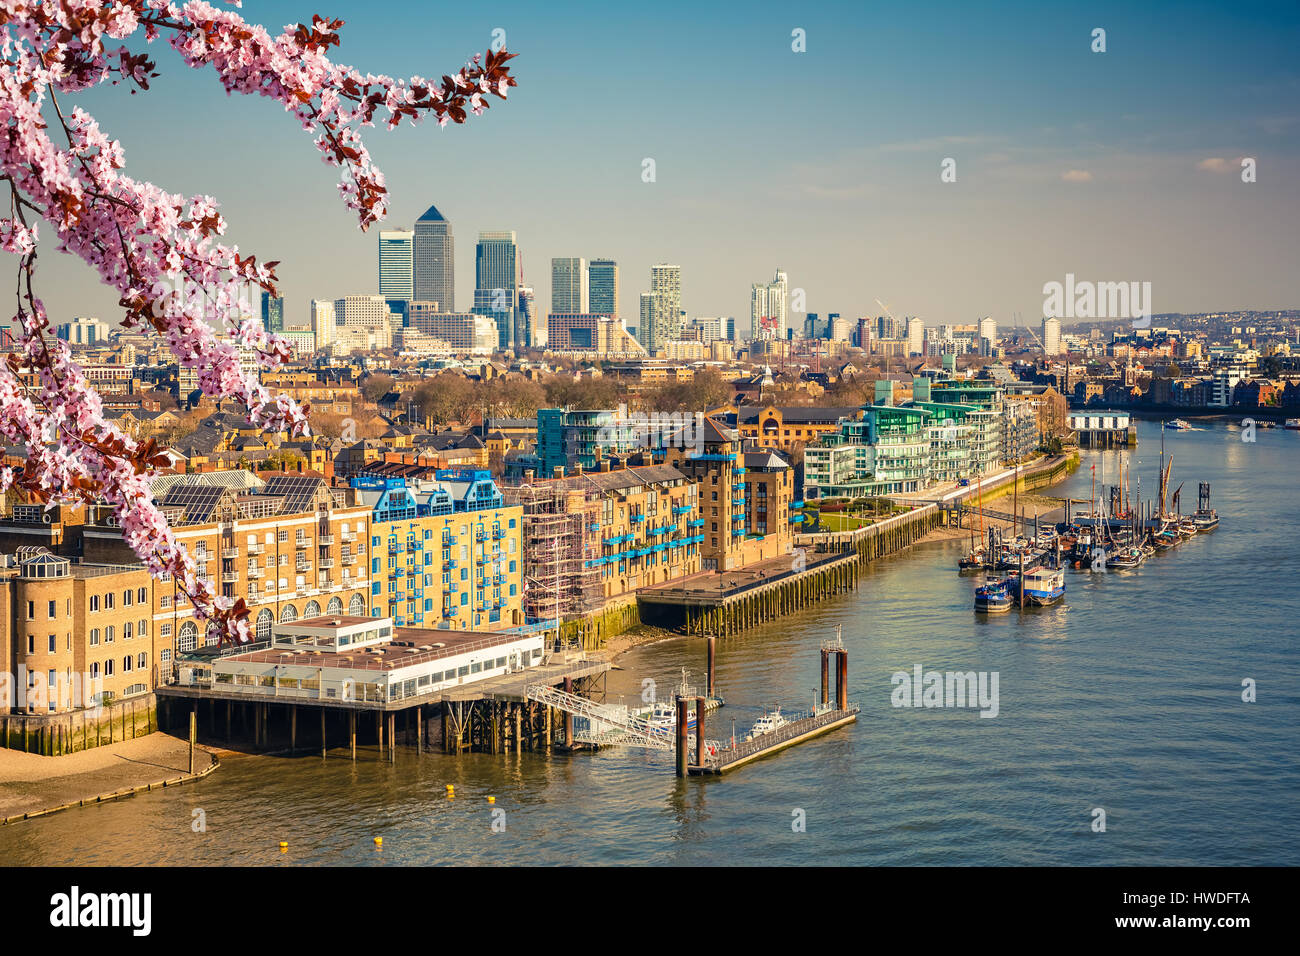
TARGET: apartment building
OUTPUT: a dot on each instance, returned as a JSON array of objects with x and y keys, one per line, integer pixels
[
  {"x": 446, "y": 553},
  {"x": 72, "y": 630},
  {"x": 292, "y": 548}
]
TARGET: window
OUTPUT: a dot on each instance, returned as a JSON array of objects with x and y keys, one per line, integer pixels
[
  {"x": 108, "y": 601},
  {"x": 142, "y": 629},
  {"x": 165, "y": 630},
  {"x": 108, "y": 634},
  {"x": 127, "y": 597},
  {"x": 31, "y": 610},
  {"x": 164, "y": 602},
  {"x": 189, "y": 637},
  {"x": 54, "y": 644},
  {"x": 126, "y": 631},
  {"x": 94, "y": 602},
  {"x": 108, "y": 667},
  {"x": 142, "y": 660},
  {"x": 94, "y": 670},
  {"x": 53, "y": 610},
  {"x": 283, "y": 535},
  {"x": 94, "y": 637},
  {"x": 127, "y": 664}
]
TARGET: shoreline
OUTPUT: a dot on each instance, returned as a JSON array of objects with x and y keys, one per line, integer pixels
[{"x": 32, "y": 785}]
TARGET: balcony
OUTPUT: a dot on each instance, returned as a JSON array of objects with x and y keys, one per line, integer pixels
[
  {"x": 229, "y": 554},
  {"x": 348, "y": 560},
  {"x": 347, "y": 536},
  {"x": 302, "y": 568},
  {"x": 326, "y": 540},
  {"x": 229, "y": 577},
  {"x": 254, "y": 548},
  {"x": 302, "y": 544},
  {"x": 324, "y": 564},
  {"x": 254, "y": 573}
]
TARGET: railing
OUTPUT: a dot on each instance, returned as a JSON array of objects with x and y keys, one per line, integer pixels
[
  {"x": 798, "y": 725},
  {"x": 302, "y": 543},
  {"x": 325, "y": 540}
]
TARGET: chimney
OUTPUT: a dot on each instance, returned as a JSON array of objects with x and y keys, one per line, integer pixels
[
  {"x": 577, "y": 468},
  {"x": 528, "y": 474},
  {"x": 557, "y": 471},
  {"x": 604, "y": 464}
]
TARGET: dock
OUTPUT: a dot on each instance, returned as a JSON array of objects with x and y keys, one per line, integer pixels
[{"x": 795, "y": 732}]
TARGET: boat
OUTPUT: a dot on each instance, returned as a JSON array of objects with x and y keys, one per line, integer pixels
[
  {"x": 1043, "y": 587},
  {"x": 766, "y": 724},
  {"x": 663, "y": 718},
  {"x": 1164, "y": 540},
  {"x": 993, "y": 597},
  {"x": 972, "y": 561},
  {"x": 1178, "y": 424},
  {"x": 1292, "y": 424},
  {"x": 1126, "y": 559},
  {"x": 1206, "y": 520},
  {"x": 1187, "y": 527}
]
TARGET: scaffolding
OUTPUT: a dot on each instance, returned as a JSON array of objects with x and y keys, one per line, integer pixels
[{"x": 561, "y": 525}]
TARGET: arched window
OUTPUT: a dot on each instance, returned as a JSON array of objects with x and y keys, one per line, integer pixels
[
  {"x": 312, "y": 609},
  {"x": 189, "y": 637},
  {"x": 108, "y": 634},
  {"x": 289, "y": 613},
  {"x": 213, "y": 636},
  {"x": 357, "y": 606},
  {"x": 335, "y": 606},
  {"x": 264, "y": 622},
  {"x": 126, "y": 630},
  {"x": 142, "y": 628}
]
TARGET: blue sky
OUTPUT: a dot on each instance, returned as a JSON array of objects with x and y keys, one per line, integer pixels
[{"x": 823, "y": 163}]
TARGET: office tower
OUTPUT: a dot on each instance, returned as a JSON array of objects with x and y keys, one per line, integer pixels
[
  {"x": 397, "y": 264},
  {"x": 663, "y": 321},
  {"x": 569, "y": 289},
  {"x": 768, "y": 308},
  {"x": 863, "y": 338},
  {"x": 433, "y": 259},
  {"x": 497, "y": 281},
  {"x": 709, "y": 328},
  {"x": 837, "y": 329},
  {"x": 729, "y": 328},
  {"x": 987, "y": 337},
  {"x": 886, "y": 327},
  {"x": 272, "y": 312},
  {"x": 915, "y": 336},
  {"x": 323, "y": 322},
  {"x": 815, "y": 327},
  {"x": 1052, "y": 336},
  {"x": 602, "y": 284},
  {"x": 530, "y": 333},
  {"x": 83, "y": 331}
]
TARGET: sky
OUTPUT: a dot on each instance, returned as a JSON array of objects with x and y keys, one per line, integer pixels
[{"x": 1114, "y": 166}]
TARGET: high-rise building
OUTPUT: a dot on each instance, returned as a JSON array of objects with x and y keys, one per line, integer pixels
[
  {"x": 986, "y": 337},
  {"x": 814, "y": 327},
  {"x": 768, "y": 304},
  {"x": 323, "y": 322},
  {"x": 838, "y": 329},
  {"x": 915, "y": 336},
  {"x": 272, "y": 312},
  {"x": 1052, "y": 336},
  {"x": 497, "y": 275},
  {"x": 466, "y": 333},
  {"x": 602, "y": 282},
  {"x": 531, "y": 333},
  {"x": 569, "y": 289},
  {"x": 84, "y": 331},
  {"x": 661, "y": 314},
  {"x": 433, "y": 259},
  {"x": 397, "y": 264}
]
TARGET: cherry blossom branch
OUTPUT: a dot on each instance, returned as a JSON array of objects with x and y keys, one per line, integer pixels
[{"x": 162, "y": 252}]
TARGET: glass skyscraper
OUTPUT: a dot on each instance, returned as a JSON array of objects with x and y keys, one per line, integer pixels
[
  {"x": 602, "y": 286},
  {"x": 397, "y": 264},
  {"x": 497, "y": 278},
  {"x": 569, "y": 286},
  {"x": 272, "y": 312},
  {"x": 434, "y": 261}
]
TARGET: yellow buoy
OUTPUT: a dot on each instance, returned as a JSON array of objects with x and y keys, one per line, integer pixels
[
  {"x": 283, "y": 845},
  {"x": 379, "y": 841},
  {"x": 492, "y": 799}
]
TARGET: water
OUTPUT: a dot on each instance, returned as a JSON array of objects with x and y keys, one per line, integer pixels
[{"x": 1125, "y": 698}]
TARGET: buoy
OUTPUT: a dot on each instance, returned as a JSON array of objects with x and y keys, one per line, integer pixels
[
  {"x": 379, "y": 841},
  {"x": 284, "y": 847},
  {"x": 492, "y": 799}
]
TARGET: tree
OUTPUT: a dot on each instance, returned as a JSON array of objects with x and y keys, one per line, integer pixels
[
  {"x": 376, "y": 386},
  {"x": 161, "y": 252}
]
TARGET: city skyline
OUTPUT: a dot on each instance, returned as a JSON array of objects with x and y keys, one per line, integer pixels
[{"x": 1121, "y": 165}]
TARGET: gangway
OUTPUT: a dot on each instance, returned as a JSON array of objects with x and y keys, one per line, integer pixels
[{"x": 624, "y": 727}]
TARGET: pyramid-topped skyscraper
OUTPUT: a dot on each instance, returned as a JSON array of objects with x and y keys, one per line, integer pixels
[{"x": 435, "y": 261}]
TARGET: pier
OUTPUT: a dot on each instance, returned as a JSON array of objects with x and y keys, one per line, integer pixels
[{"x": 713, "y": 757}]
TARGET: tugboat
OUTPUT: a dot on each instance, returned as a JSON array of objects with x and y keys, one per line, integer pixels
[
  {"x": 1043, "y": 587},
  {"x": 993, "y": 597},
  {"x": 1206, "y": 518},
  {"x": 1178, "y": 425},
  {"x": 767, "y": 723}
]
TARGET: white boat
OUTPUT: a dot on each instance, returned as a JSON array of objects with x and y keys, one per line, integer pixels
[
  {"x": 766, "y": 724},
  {"x": 1178, "y": 424},
  {"x": 1292, "y": 424}
]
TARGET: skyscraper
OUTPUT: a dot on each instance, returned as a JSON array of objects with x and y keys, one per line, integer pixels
[
  {"x": 768, "y": 308},
  {"x": 433, "y": 263},
  {"x": 1052, "y": 336},
  {"x": 569, "y": 289},
  {"x": 531, "y": 332},
  {"x": 323, "y": 322},
  {"x": 661, "y": 314},
  {"x": 397, "y": 264},
  {"x": 602, "y": 282},
  {"x": 987, "y": 337},
  {"x": 272, "y": 312},
  {"x": 497, "y": 278},
  {"x": 915, "y": 336}
]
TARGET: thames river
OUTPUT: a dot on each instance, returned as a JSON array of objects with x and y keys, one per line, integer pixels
[{"x": 1126, "y": 699}]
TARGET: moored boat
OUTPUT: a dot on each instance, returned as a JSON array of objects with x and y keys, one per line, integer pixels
[
  {"x": 1043, "y": 587},
  {"x": 767, "y": 723},
  {"x": 1126, "y": 559},
  {"x": 1292, "y": 424},
  {"x": 993, "y": 597},
  {"x": 1206, "y": 520}
]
